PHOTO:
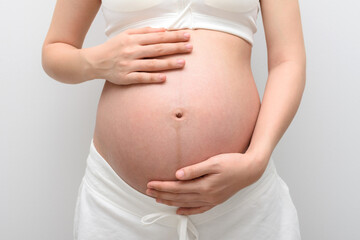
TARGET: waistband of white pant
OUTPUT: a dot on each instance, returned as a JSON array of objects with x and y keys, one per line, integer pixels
[{"x": 105, "y": 182}]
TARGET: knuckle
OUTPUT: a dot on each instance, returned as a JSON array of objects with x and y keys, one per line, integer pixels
[
  {"x": 128, "y": 52},
  {"x": 179, "y": 47},
  {"x": 140, "y": 78},
  {"x": 184, "y": 47},
  {"x": 180, "y": 35},
  {"x": 187, "y": 171},
  {"x": 159, "y": 49},
  {"x": 151, "y": 64},
  {"x": 153, "y": 78},
  {"x": 170, "y": 64},
  {"x": 161, "y": 36},
  {"x": 204, "y": 188},
  {"x": 131, "y": 39},
  {"x": 124, "y": 39},
  {"x": 123, "y": 63},
  {"x": 144, "y": 79},
  {"x": 215, "y": 164}
]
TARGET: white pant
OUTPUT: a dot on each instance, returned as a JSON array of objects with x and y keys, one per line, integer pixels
[{"x": 108, "y": 208}]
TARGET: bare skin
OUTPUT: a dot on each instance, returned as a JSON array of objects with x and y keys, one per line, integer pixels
[
  {"x": 214, "y": 96},
  {"x": 225, "y": 174},
  {"x": 148, "y": 131}
]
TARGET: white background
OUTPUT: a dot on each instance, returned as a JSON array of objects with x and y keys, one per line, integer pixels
[{"x": 46, "y": 126}]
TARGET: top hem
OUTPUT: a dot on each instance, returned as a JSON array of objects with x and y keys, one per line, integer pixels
[{"x": 198, "y": 22}]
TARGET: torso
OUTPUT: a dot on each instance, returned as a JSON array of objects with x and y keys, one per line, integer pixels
[{"x": 140, "y": 132}]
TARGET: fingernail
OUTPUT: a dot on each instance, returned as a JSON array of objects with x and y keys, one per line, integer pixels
[
  {"x": 180, "y": 173},
  {"x": 188, "y": 46},
  {"x": 186, "y": 35},
  {"x": 162, "y": 77},
  {"x": 180, "y": 61}
]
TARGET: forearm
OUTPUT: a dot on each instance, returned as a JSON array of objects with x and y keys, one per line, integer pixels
[
  {"x": 282, "y": 96},
  {"x": 66, "y": 63}
]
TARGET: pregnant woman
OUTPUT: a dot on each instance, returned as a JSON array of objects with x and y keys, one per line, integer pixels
[{"x": 182, "y": 145}]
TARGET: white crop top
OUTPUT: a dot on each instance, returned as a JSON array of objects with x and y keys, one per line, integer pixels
[{"x": 237, "y": 17}]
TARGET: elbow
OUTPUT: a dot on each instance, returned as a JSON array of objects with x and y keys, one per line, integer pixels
[
  {"x": 51, "y": 64},
  {"x": 301, "y": 71},
  {"x": 45, "y": 62},
  {"x": 301, "y": 63},
  {"x": 304, "y": 70}
]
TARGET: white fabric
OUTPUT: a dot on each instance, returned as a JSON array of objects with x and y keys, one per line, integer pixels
[
  {"x": 184, "y": 224},
  {"x": 108, "y": 208},
  {"x": 230, "y": 16}
]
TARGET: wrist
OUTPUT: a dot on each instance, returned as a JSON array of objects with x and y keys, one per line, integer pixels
[
  {"x": 88, "y": 57},
  {"x": 259, "y": 152},
  {"x": 258, "y": 161}
]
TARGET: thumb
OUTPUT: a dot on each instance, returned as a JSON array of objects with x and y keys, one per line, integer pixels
[{"x": 208, "y": 166}]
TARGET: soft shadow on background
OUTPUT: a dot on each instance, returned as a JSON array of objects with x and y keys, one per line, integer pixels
[{"x": 46, "y": 126}]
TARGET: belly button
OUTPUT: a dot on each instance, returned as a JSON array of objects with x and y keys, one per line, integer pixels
[{"x": 178, "y": 113}]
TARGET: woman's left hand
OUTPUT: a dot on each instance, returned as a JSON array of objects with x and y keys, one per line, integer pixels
[{"x": 207, "y": 184}]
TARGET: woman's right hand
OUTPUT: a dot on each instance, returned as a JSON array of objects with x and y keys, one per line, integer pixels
[{"x": 130, "y": 56}]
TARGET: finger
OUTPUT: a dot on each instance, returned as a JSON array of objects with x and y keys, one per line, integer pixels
[
  {"x": 181, "y": 204},
  {"x": 144, "y": 30},
  {"x": 151, "y": 65},
  {"x": 163, "y": 37},
  {"x": 179, "y": 197},
  {"x": 190, "y": 211},
  {"x": 139, "y": 77},
  {"x": 176, "y": 186},
  {"x": 163, "y": 49},
  {"x": 208, "y": 166}
]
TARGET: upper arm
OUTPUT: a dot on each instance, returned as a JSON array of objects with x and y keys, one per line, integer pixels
[
  {"x": 283, "y": 31},
  {"x": 71, "y": 21}
]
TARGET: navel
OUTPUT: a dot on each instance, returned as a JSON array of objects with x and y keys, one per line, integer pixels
[{"x": 178, "y": 113}]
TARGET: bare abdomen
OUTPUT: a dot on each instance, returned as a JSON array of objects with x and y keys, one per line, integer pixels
[{"x": 148, "y": 131}]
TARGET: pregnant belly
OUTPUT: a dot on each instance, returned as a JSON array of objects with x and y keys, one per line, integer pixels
[{"x": 148, "y": 131}]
